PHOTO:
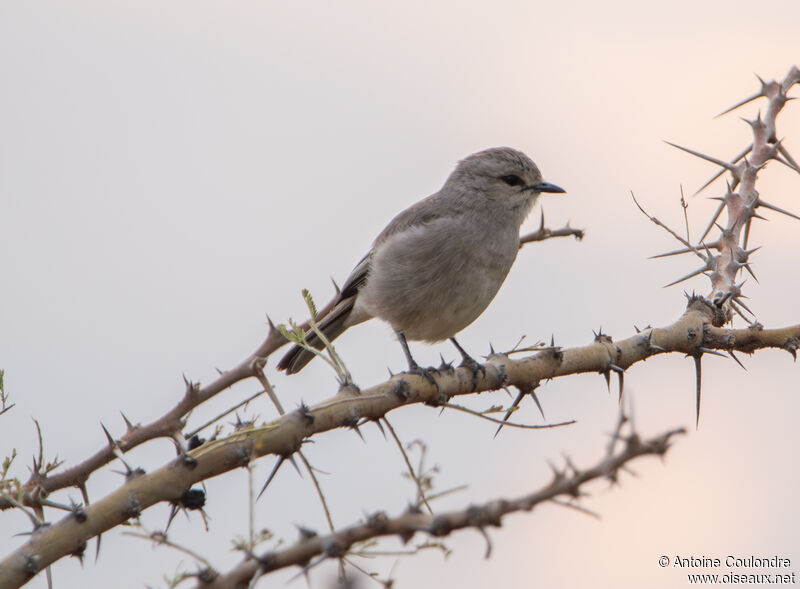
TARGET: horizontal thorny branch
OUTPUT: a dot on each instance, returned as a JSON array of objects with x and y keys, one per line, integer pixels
[{"x": 310, "y": 551}]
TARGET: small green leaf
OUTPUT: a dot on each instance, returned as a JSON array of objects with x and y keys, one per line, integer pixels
[{"x": 310, "y": 304}]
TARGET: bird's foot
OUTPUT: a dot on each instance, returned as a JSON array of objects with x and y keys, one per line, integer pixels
[
  {"x": 476, "y": 368},
  {"x": 426, "y": 373}
]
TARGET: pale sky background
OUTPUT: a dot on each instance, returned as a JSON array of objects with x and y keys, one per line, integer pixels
[{"x": 171, "y": 172}]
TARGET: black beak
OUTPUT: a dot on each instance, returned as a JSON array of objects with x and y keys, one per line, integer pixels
[{"x": 545, "y": 187}]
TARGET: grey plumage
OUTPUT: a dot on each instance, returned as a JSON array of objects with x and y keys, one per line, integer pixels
[{"x": 438, "y": 264}]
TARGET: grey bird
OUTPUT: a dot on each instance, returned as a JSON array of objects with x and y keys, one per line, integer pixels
[{"x": 438, "y": 264}]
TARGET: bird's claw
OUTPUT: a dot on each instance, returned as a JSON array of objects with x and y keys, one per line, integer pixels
[
  {"x": 476, "y": 368},
  {"x": 426, "y": 373}
]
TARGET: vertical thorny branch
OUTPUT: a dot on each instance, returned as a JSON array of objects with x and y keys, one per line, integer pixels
[{"x": 742, "y": 200}]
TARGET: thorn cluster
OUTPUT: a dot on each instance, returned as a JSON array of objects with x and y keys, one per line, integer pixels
[{"x": 741, "y": 200}]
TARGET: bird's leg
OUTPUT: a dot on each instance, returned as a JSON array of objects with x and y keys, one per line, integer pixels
[
  {"x": 413, "y": 367},
  {"x": 468, "y": 361}
]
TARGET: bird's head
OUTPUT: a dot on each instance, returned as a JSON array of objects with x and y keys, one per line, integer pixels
[{"x": 503, "y": 173}]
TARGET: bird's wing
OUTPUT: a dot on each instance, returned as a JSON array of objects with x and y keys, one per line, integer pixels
[
  {"x": 420, "y": 213},
  {"x": 425, "y": 211},
  {"x": 357, "y": 278}
]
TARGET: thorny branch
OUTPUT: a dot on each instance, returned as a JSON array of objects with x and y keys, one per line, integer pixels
[
  {"x": 568, "y": 482},
  {"x": 742, "y": 199}
]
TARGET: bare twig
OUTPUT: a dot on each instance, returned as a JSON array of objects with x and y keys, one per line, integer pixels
[
  {"x": 410, "y": 468},
  {"x": 504, "y": 422},
  {"x": 544, "y": 233}
]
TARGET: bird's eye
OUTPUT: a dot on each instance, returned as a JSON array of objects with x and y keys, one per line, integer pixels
[{"x": 512, "y": 180}]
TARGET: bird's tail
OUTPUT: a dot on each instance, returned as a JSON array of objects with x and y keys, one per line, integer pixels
[{"x": 332, "y": 325}]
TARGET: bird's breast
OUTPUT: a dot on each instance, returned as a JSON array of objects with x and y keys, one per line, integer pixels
[{"x": 430, "y": 282}]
